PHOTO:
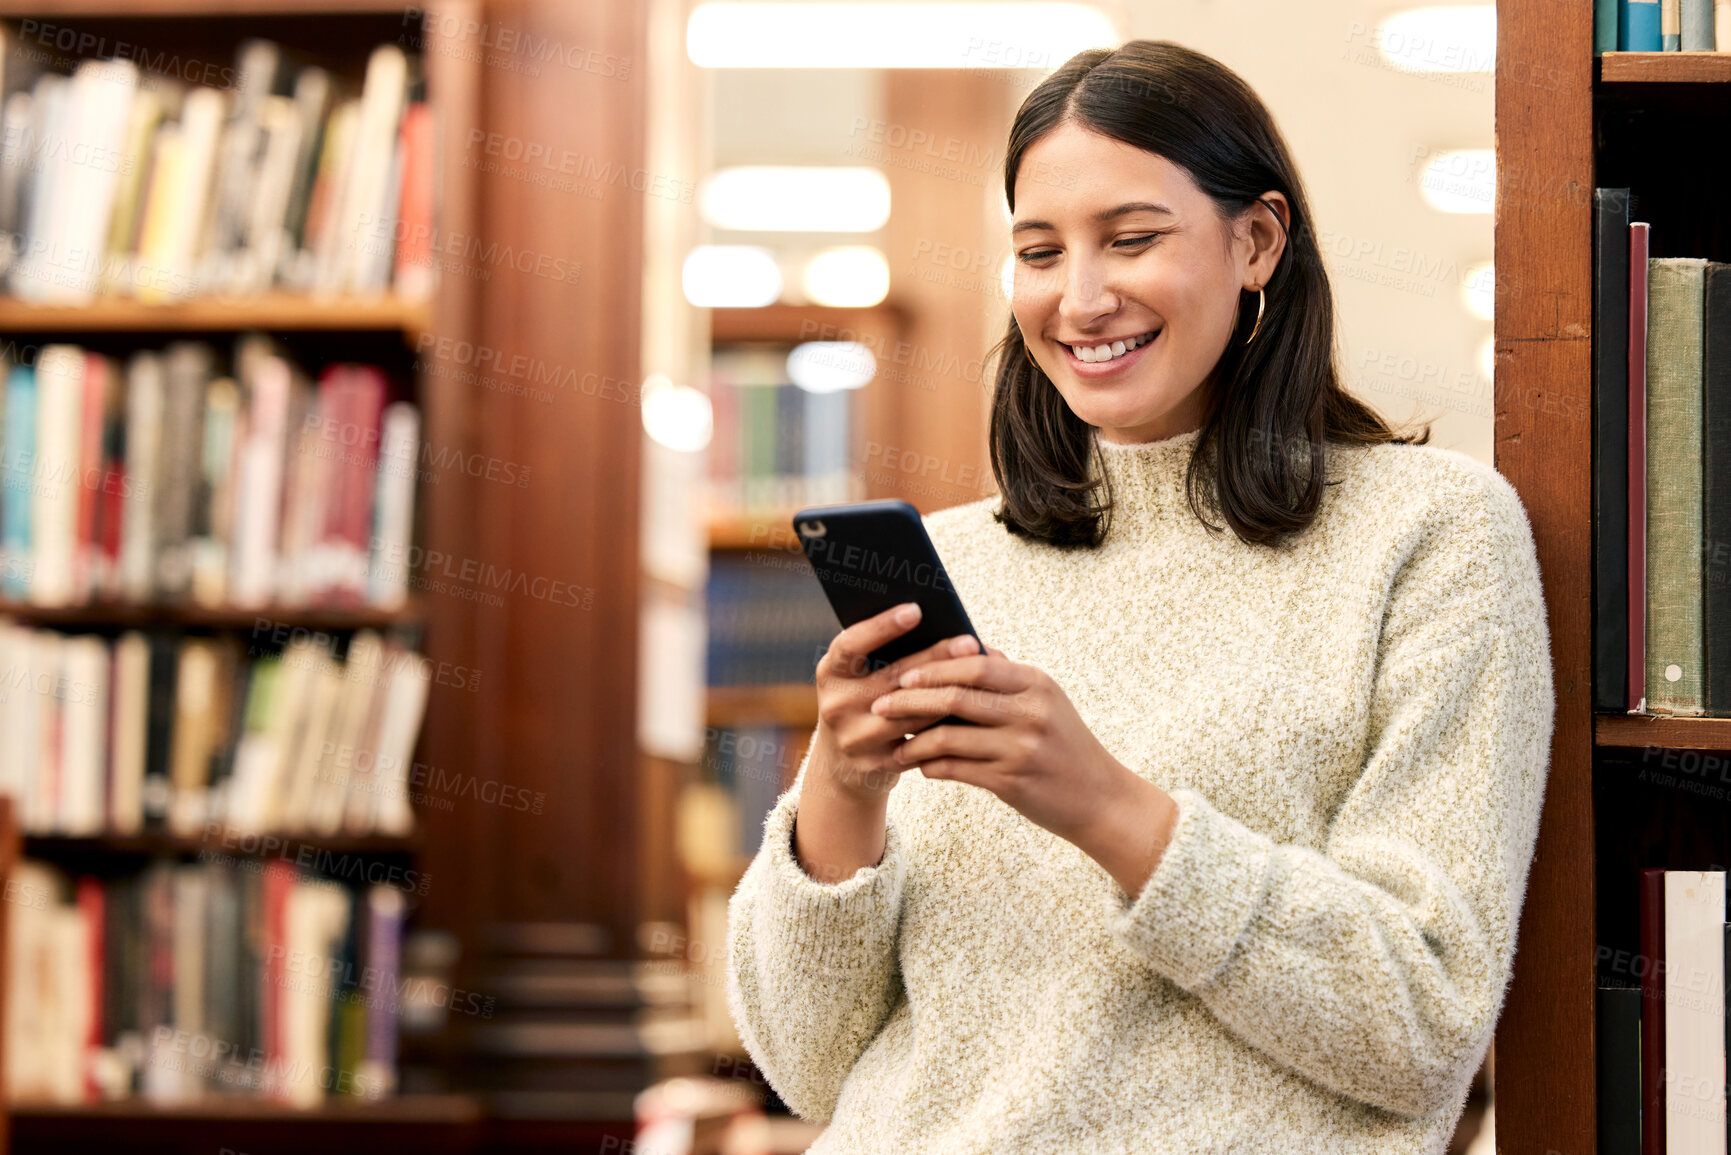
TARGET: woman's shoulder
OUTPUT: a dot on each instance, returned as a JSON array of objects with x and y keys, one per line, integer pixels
[
  {"x": 962, "y": 520},
  {"x": 1428, "y": 489}
]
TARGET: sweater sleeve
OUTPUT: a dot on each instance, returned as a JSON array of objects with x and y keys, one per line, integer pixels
[
  {"x": 1377, "y": 966},
  {"x": 811, "y": 966}
]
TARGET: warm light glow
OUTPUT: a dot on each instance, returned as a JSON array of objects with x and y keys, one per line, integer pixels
[
  {"x": 829, "y": 366},
  {"x": 849, "y": 277},
  {"x": 676, "y": 416},
  {"x": 1480, "y": 290},
  {"x": 1460, "y": 181},
  {"x": 894, "y": 35},
  {"x": 1458, "y": 38},
  {"x": 788, "y": 198},
  {"x": 1488, "y": 359},
  {"x": 1007, "y": 277},
  {"x": 730, "y": 277}
]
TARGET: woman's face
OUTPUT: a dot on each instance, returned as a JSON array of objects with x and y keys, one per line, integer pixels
[{"x": 1129, "y": 259}]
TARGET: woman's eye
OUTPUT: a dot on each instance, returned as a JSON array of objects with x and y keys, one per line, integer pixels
[
  {"x": 1138, "y": 241},
  {"x": 1037, "y": 254}
]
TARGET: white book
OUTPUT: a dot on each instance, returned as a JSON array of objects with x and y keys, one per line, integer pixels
[
  {"x": 258, "y": 487},
  {"x": 1722, "y": 25},
  {"x": 399, "y": 729},
  {"x": 16, "y": 702},
  {"x": 317, "y": 915},
  {"x": 394, "y": 506},
  {"x": 88, "y": 163},
  {"x": 30, "y": 1019},
  {"x": 195, "y": 695},
  {"x": 1695, "y": 1012},
  {"x": 349, "y": 743},
  {"x": 267, "y": 237},
  {"x": 170, "y": 258},
  {"x": 83, "y": 735},
  {"x": 360, "y": 228},
  {"x": 54, "y": 496},
  {"x": 131, "y": 695},
  {"x": 42, "y": 797},
  {"x": 40, "y": 211},
  {"x": 144, "y": 403},
  {"x": 300, "y": 773}
]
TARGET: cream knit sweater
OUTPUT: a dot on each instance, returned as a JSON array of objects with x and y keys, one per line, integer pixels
[{"x": 1355, "y": 727}]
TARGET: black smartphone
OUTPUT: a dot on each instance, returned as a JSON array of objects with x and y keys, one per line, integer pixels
[{"x": 872, "y": 555}]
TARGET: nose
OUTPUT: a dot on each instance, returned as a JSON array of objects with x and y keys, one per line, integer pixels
[{"x": 1087, "y": 297}]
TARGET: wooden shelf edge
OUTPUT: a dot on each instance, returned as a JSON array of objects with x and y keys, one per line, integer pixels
[
  {"x": 216, "y": 617},
  {"x": 1637, "y": 730},
  {"x": 344, "y": 1109},
  {"x": 228, "y": 842},
  {"x": 784, "y": 323},
  {"x": 272, "y": 311},
  {"x": 791, "y": 704},
  {"x": 1665, "y": 67}
]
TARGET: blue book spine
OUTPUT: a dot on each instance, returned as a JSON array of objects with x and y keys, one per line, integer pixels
[
  {"x": 826, "y": 445},
  {"x": 17, "y": 467},
  {"x": 1697, "y": 35},
  {"x": 1641, "y": 26},
  {"x": 1607, "y": 18}
]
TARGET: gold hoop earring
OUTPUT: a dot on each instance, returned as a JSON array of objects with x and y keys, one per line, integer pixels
[{"x": 1260, "y": 301}]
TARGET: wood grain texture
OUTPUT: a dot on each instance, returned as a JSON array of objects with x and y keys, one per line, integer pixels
[
  {"x": 1543, "y": 252},
  {"x": 1665, "y": 67}
]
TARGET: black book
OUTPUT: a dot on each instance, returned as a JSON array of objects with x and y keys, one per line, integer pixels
[
  {"x": 1619, "y": 1065},
  {"x": 1716, "y": 487},
  {"x": 159, "y": 731},
  {"x": 1611, "y": 449}
]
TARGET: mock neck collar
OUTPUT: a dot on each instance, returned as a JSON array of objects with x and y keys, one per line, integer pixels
[{"x": 1147, "y": 477}]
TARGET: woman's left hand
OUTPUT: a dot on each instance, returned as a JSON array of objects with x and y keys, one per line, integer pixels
[{"x": 1031, "y": 748}]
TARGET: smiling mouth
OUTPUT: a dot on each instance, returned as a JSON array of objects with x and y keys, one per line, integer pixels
[{"x": 1111, "y": 350}]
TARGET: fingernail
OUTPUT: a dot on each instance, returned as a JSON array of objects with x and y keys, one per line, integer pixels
[
  {"x": 911, "y": 678},
  {"x": 908, "y": 614},
  {"x": 962, "y": 645}
]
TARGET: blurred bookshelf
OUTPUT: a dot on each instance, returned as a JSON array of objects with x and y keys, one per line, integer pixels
[{"x": 216, "y": 778}]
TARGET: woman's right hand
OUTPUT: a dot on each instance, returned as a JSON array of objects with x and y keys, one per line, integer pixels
[{"x": 854, "y": 754}]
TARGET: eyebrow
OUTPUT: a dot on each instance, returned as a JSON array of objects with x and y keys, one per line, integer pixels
[{"x": 1102, "y": 216}]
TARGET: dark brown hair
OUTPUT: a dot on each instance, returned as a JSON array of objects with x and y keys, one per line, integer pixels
[{"x": 1270, "y": 406}]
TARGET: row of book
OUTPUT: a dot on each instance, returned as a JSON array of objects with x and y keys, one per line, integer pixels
[
  {"x": 1661, "y": 473},
  {"x": 120, "y": 182},
  {"x": 768, "y": 623},
  {"x": 189, "y": 980},
  {"x": 1661, "y": 26},
  {"x": 775, "y": 446},
  {"x": 189, "y": 735},
  {"x": 161, "y": 479},
  {"x": 1663, "y": 1031}
]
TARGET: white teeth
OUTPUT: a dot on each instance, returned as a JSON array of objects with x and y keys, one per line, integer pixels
[{"x": 1096, "y": 353}]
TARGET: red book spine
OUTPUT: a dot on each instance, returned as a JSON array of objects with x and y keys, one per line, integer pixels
[
  {"x": 1653, "y": 1012},
  {"x": 279, "y": 880},
  {"x": 355, "y": 528},
  {"x": 1638, "y": 247},
  {"x": 84, "y": 549},
  {"x": 90, "y": 909}
]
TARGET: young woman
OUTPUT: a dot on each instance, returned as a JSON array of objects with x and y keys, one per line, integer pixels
[{"x": 1234, "y": 856}]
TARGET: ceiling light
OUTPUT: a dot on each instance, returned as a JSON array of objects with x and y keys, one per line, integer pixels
[
  {"x": 830, "y": 366},
  {"x": 1460, "y": 181},
  {"x": 893, "y": 35},
  {"x": 730, "y": 277},
  {"x": 851, "y": 276},
  {"x": 676, "y": 416},
  {"x": 810, "y": 198},
  {"x": 1457, "y": 38}
]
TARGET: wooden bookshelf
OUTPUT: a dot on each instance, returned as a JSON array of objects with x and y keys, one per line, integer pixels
[
  {"x": 284, "y": 312},
  {"x": 1591, "y": 123},
  {"x": 1665, "y": 67},
  {"x": 765, "y": 532}
]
